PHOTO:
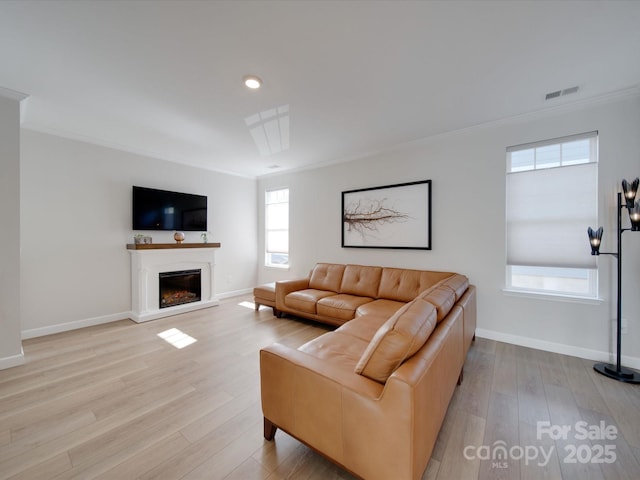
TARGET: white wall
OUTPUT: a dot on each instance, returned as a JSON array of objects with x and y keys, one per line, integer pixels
[
  {"x": 468, "y": 173},
  {"x": 76, "y": 222},
  {"x": 10, "y": 346}
]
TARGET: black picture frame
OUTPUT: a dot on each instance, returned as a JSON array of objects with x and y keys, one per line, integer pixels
[{"x": 391, "y": 216}]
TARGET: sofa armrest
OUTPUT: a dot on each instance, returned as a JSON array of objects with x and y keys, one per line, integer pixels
[{"x": 285, "y": 287}]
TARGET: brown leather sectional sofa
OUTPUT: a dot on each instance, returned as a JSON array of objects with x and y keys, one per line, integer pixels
[{"x": 371, "y": 395}]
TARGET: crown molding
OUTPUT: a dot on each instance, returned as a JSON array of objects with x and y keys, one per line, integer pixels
[
  {"x": 540, "y": 113},
  {"x": 99, "y": 142},
  {"x": 12, "y": 94}
]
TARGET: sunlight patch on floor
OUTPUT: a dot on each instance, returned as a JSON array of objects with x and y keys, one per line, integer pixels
[
  {"x": 177, "y": 338},
  {"x": 250, "y": 305}
]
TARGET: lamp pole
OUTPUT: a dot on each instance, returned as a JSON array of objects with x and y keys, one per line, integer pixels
[{"x": 617, "y": 371}]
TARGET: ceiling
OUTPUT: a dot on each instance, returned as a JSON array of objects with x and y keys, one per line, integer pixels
[{"x": 340, "y": 79}]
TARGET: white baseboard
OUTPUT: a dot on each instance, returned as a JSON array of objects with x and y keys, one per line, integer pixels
[
  {"x": 12, "y": 361},
  {"x": 235, "y": 293},
  {"x": 65, "y": 327},
  {"x": 89, "y": 322},
  {"x": 596, "y": 355}
]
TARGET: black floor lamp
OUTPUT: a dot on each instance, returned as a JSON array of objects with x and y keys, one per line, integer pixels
[{"x": 617, "y": 371}]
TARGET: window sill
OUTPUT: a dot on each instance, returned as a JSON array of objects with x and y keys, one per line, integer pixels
[
  {"x": 278, "y": 267},
  {"x": 556, "y": 297}
]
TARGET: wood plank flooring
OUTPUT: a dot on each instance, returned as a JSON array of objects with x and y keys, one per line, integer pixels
[{"x": 116, "y": 401}]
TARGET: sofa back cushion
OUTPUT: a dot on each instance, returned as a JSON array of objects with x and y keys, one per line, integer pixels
[
  {"x": 397, "y": 339},
  {"x": 326, "y": 276},
  {"x": 361, "y": 280},
  {"x": 458, "y": 283},
  {"x": 404, "y": 285},
  {"x": 442, "y": 297}
]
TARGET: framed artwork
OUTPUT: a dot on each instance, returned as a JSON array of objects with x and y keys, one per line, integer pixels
[{"x": 392, "y": 216}]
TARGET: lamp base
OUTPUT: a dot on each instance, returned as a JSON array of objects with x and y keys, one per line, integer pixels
[{"x": 622, "y": 374}]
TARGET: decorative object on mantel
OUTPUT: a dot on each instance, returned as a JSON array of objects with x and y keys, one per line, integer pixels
[
  {"x": 142, "y": 239},
  {"x": 204, "y": 237},
  {"x": 617, "y": 371},
  {"x": 178, "y": 237}
]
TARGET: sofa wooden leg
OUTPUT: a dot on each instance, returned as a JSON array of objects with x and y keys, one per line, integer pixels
[
  {"x": 269, "y": 429},
  {"x": 460, "y": 377},
  {"x": 474, "y": 337},
  {"x": 257, "y": 306},
  {"x": 275, "y": 311}
]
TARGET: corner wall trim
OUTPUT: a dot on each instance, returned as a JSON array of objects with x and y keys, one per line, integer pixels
[
  {"x": 65, "y": 327},
  {"x": 12, "y": 94},
  {"x": 12, "y": 361},
  {"x": 595, "y": 355}
]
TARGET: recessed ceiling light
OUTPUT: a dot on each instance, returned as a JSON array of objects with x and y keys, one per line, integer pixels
[{"x": 253, "y": 82}]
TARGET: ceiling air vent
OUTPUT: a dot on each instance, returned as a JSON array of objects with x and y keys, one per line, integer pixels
[
  {"x": 558, "y": 93},
  {"x": 551, "y": 95}
]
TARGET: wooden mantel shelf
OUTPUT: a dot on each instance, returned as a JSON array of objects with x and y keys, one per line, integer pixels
[{"x": 164, "y": 246}]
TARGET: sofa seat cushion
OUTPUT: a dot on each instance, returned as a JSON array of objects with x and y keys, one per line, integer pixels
[
  {"x": 380, "y": 308},
  {"x": 397, "y": 339},
  {"x": 306, "y": 300},
  {"x": 336, "y": 348},
  {"x": 341, "y": 306},
  {"x": 363, "y": 327},
  {"x": 442, "y": 297}
]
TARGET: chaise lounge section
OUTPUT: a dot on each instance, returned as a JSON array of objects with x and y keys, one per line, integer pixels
[{"x": 371, "y": 395}]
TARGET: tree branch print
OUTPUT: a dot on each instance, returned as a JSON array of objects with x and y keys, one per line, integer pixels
[{"x": 366, "y": 215}]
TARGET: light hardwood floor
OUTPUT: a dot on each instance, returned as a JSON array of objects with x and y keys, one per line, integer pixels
[{"x": 118, "y": 402}]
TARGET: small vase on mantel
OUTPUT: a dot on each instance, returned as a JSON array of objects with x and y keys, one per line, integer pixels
[{"x": 178, "y": 237}]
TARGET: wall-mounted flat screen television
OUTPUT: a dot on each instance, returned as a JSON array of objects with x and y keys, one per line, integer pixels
[{"x": 163, "y": 210}]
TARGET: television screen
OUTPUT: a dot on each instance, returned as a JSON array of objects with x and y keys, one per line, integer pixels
[{"x": 163, "y": 210}]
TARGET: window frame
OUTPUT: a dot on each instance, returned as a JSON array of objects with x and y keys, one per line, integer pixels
[
  {"x": 534, "y": 283},
  {"x": 268, "y": 256}
]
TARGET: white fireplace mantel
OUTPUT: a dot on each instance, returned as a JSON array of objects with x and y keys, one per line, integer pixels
[{"x": 149, "y": 260}]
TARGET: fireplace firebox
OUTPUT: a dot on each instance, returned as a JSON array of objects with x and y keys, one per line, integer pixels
[{"x": 180, "y": 287}]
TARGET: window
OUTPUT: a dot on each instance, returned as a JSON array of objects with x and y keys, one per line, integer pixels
[
  {"x": 551, "y": 200},
  {"x": 277, "y": 227}
]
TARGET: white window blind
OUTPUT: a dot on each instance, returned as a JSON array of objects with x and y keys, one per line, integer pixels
[
  {"x": 548, "y": 212},
  {"x": 277, "y": 226},
  {"x": 551, "y": 199}
]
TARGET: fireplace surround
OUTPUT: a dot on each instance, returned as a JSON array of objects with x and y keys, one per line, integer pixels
[{"x": 151, "y": 261}]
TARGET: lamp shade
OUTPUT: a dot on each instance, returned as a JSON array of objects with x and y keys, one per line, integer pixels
[
  {"x": 595, "y": 237},
  {"x": 630, "y": 190},
  {"x": 634, "y": 216}
]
